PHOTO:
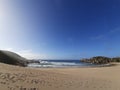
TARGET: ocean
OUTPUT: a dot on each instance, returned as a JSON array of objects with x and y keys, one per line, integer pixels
[{"x": 59, "y": 64}]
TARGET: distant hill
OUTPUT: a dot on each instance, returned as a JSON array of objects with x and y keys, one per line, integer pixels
[{"x": 12, "y": 58}]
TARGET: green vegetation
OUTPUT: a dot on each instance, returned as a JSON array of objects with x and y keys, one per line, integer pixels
[{"x": 12, "y": 58}]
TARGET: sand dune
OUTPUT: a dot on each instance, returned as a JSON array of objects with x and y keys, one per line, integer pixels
[{"x": 20, "y": 78}]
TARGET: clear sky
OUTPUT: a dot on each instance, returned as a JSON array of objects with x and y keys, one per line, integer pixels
[{"x": 60, "y": 29}]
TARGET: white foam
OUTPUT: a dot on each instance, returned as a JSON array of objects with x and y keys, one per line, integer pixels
[{"x": 53, "y": 64}]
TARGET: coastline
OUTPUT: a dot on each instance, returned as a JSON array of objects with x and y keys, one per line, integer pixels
[
  {"x": 84, "y": 66},
  {"x": 87, "y": 78}
]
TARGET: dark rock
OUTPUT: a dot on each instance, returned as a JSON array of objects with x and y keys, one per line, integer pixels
[
  {"x": 101, "y": 60},
  {"x": 33, "y": 61}
]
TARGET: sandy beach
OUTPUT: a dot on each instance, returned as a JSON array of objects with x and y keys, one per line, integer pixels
[{"x": 20, "y": 78}]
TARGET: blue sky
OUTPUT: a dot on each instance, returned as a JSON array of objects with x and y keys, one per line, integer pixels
[{"x": 60, "y": 29}]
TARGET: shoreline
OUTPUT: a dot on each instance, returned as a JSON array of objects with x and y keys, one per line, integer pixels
[{"x": 92, "y": 66}]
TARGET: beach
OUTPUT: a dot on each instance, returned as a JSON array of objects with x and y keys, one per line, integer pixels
[{"x": 89, "y": 78}]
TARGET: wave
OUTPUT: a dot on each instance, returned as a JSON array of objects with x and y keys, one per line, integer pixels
[{"x": 56, "y": 63}]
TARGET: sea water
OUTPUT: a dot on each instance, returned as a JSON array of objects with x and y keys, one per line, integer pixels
[{"x": 59, "y": 63}]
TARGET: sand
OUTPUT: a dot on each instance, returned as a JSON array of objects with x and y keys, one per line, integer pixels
[{"x": 20, "y": 78}]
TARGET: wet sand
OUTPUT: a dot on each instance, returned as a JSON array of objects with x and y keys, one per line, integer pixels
[{"x": 97, "y": 78}]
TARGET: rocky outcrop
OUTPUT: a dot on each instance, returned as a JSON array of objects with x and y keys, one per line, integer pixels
[
  {"x": 100, "y": 60},
  {"x": 116, "y": 59},
  {"x": 33, "y": 61}
]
